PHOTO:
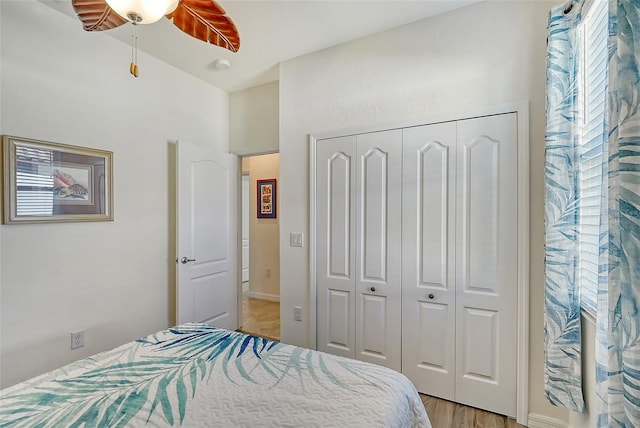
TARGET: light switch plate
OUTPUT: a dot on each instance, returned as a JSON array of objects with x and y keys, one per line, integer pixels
[{"x": 296, "y": 239}]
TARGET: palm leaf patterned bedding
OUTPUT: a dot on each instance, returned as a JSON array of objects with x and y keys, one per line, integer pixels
[{"x": 197, "y": 375}]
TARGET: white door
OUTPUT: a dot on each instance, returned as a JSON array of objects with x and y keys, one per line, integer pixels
[
  {"x": 486, "y": 263},
  {"x": 335, "y": 263},
  {"x": 358, "y": 191},
  {"x": 206, "y": 250},
  {"x": 245, "y": 228},
  {"x": 378, "y": 248},
  {"x": 428, "y": 263},
  {"x": 460, "y": 261}
]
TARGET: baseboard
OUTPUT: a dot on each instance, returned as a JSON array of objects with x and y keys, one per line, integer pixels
[
  {"x": 541, "y": 421},
  {"x": 263, "y": 296}
]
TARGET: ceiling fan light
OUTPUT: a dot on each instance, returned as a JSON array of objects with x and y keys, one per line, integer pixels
[{"x": 143, "y": 11}]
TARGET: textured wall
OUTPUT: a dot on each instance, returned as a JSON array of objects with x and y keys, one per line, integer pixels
[
  {"x": 486, "y": 54},
  {"x": 253, "y": 120},
  {"x": 112, "y": 279}
]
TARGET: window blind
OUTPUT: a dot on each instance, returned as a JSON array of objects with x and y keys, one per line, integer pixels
[{"x": 593, "y": 135}]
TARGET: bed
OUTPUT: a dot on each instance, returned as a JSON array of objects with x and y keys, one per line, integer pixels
[{"x": 195, "y": 375}]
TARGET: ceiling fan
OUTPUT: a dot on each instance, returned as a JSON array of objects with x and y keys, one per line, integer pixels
[{"x": 205, "y": 20}]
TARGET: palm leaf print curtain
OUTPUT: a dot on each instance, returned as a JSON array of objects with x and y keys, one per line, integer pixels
[
  {"x": 618, "y": 335},
  {"x": 618, "y": 305},
  {"x": 563, "y": 385}
]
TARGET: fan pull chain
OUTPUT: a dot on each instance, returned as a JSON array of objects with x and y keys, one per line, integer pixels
[{"x": 133, "y": 67}]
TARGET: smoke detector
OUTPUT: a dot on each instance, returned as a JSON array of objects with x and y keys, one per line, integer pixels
[{"x": 222, "y": 64}]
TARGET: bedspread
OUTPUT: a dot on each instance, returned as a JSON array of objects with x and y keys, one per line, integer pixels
[{"x": 195, "y": 375}]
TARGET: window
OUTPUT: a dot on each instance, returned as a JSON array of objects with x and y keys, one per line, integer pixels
[{"x": 593, "y": 105}]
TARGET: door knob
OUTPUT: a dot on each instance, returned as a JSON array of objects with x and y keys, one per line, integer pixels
[
  {"x": 431, "y": 296},
  {"x": 373, "y": 289},
  {"x": 186, "y": 260}
]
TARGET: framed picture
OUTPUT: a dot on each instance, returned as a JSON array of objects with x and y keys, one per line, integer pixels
[
  {"x": 267, "y": 198},
  {"x": 50, "y": 182}
]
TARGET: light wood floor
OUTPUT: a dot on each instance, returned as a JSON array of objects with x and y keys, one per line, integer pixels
[
  {"x": 445, "y": 414},
  {"x": 262, "y": 318}
]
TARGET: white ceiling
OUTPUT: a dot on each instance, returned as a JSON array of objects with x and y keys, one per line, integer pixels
[{"x": 271, "y": 32}]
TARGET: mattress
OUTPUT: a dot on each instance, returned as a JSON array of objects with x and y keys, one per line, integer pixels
[{"x": 196, "y": 375}]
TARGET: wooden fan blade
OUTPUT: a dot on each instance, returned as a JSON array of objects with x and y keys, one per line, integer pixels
[
  {"x": 206, "y": 20},
  {"x": 96, "y": 15}
]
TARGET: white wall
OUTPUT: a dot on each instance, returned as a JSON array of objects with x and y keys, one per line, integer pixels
[
  {"x": 253, "y": 120},
  {"x": 264, "y": 244},
  {"x": 486, "y": 54},
  {"x": 112, "y": 279}
]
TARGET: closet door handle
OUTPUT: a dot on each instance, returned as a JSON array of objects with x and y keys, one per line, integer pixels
[
  {"x": 373, "y": 289},
  {"x": 431, "y": 296}
]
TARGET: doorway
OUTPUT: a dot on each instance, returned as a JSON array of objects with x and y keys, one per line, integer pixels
[{"x": 260, "y": 279}]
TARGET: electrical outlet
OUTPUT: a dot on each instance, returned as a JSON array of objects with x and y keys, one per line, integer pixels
[
  {"x": 77, "y": 339},
  {"x": 297, "y": 313}
]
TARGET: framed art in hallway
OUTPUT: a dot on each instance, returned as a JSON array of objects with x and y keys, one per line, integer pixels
[
  {"x": 51, "y": 182},
  {"x": 266, "y": 195}
]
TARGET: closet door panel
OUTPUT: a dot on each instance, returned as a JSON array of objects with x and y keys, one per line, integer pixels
[
  {"x": 336, "y": 273},
  {"x": 378, "y": 248},
  {"x": 481, "y": 212},
  {"x": 374, "y": 332},
  {"x": 428, "y": 234},
  {"x": 338, "y": 320},
  {"x": 339, "y": 206},
  {"x": 479, "y": 351},
  {"x": 486, "y": 263},
  {"x": 434, "y": 346},
  {"x": 373, "y": 214}
]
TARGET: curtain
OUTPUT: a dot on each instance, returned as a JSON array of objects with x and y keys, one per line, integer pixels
[
  {"x": 563, "y": 379},
  {"x": 618, "y": 329}
]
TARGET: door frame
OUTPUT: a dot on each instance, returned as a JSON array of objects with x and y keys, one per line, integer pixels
[
  {"x": 242, "y": 176},
  {"x": 522, "y": 111}
]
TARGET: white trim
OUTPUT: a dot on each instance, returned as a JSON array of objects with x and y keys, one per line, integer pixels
[
  {"x": 426, "y": 120},
  {"x": 263, "y": 296},
  {"x": 522, "y": 405},
  {"x": 522, "y": 110},
  {"x": 239, "y": 286},
  {"x": 312, "y": 244},
  {"x": 249, "y": 153},
  {"x": 542, "y": 421}
]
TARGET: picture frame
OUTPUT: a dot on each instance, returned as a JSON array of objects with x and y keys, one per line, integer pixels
[
  {"x": 52, "y": 182},
  {"x": 267, "y": 198}
]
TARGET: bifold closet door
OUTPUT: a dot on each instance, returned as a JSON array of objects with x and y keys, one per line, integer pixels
[
  {"x": 460, "y": 261},
  {"x": 428, "y": 264},
  {"x": 486, "y": 263},
  {"x": 358, "y": 246},
  {"x": 335, "y": 245}
]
